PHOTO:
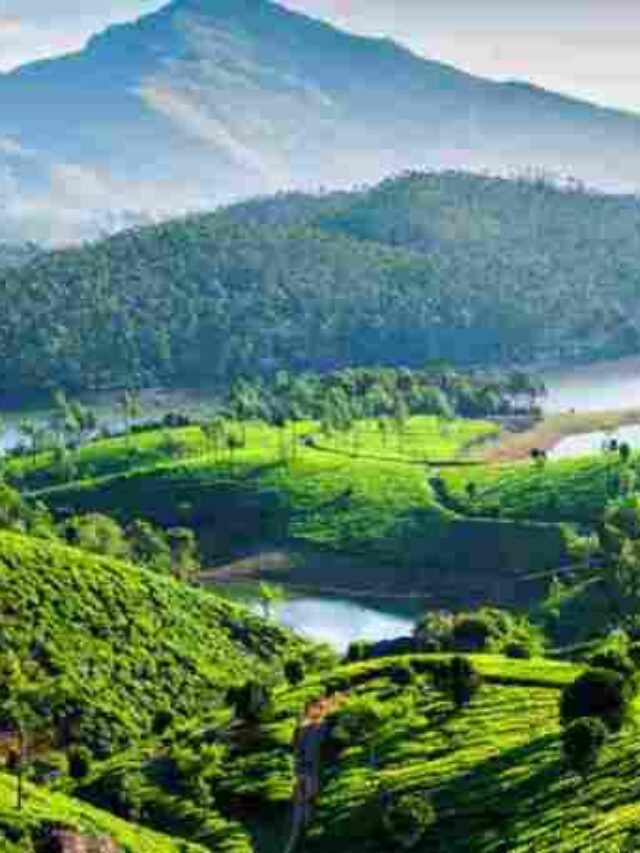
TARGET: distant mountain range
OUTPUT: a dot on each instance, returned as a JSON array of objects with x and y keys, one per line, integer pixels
[{"x": 211, "y": 100}]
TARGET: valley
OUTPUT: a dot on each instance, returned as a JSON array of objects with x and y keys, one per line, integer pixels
[{"x": 319, "y": 441}]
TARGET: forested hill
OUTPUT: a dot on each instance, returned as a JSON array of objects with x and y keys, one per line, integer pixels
[
  {"x": 421, "y": 267},
  {"x": 16, "y": 254}
]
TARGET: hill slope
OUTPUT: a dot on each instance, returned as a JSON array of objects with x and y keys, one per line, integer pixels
[
  {"x": 221, "y": 98},
  {"x": 422, "y": 267},
  {"x": 122, "y": 644},
  {"x": 45, "y": 810},
  {"x": 347, "y": 520}
]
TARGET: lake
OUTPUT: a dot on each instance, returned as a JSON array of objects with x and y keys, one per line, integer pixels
[
  {"x": 333, "y": 618},
  {"x": 601, "y": 386}
]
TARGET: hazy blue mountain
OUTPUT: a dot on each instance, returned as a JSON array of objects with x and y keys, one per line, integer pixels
[{"x": 210, "y": 100}]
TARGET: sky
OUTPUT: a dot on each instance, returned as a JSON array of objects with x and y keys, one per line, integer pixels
[{"x": 587, "y": 48}]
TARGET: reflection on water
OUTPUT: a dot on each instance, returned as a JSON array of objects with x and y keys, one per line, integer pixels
[
  {"x": 339, "y": 622},
  {"x": 605, "y": 385}
]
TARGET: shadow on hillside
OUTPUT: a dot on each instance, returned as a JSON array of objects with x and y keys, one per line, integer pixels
[{"x": 491, "y": 800}]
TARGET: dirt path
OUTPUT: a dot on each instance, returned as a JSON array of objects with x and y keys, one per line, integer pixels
[{"x": 307, "y": 746}]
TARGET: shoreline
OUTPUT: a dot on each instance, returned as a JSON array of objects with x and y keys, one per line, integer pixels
[{"x": 551, "y": 430}]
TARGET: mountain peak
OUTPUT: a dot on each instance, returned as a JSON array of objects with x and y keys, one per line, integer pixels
[{"x": 207, "y": 101}]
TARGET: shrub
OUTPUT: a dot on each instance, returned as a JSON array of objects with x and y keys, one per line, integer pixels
[
  {"x": 79, "y": 762},
  {"x": 402, "y": 674},
  {"x": 615, "y": 660},
  {"x": 582, "y": 741},
  {"x": 294, "y": 671},
  {"x": 600, "y": 693},
  {"x": 407, "y": 819},
  {"x": 458, "y": 678}
]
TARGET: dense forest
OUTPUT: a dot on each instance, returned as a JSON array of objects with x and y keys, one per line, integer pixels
[{"x": 420, "y": 268}]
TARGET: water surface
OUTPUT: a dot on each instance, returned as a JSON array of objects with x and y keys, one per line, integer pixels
[
  {"x": 340, "y": 622},
  {"x": 597, "y": 387}
]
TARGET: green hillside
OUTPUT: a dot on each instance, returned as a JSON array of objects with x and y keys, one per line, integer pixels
[
  {"x": 123, "y": 645},
  {"x": 422, "y": 267},
  {"x": 327, "y": 503},
  {"x": 44, "y": 810},
  {"x": 492, "y": 772},
  {"x": 575, "y": 490}
]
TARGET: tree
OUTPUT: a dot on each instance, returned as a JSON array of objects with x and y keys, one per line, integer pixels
[
  {"x": 582, "y": 742},
  {"x": 99, "y": 534},
  {"x": 407, "y": 818},
  {"x": 600, "y": 693},
  {"x": 185, "y": 558},
  {"x": 251, "y": 702},
  {"x": 215, "y": 433},
  {"x": 613, "y": 659},
  {"x": 149, "y": 546},
  {"x": 539, "y": 457},
  {"x": 131, "y": 409},
  {"x": 270, "y": 596},
  {"x": 625, "y": 452},
  {"x": 22, "y": 689},
  {"x": 458, "y": 678}
]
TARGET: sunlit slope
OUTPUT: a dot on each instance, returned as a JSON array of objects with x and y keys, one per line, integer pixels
[
  {"x": 123, "y": 645},
  {"x": 352, "y": 497},
  {"x": 493, "y": 771},
  {"x": 44, "y": 810}
]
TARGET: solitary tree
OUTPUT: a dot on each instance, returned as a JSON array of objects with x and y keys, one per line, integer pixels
[
  {"x": 185, "y": 559},
  {"x": 582, "y": 741},
  {"x": 270, "y": 596}
]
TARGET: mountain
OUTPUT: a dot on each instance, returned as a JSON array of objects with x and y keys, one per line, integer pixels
[
  {"x": 420, "y": 268},
  {"x": 206, "y": 101}
]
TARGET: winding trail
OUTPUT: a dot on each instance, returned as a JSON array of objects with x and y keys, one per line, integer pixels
[{"x": 307, "y": 746}]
